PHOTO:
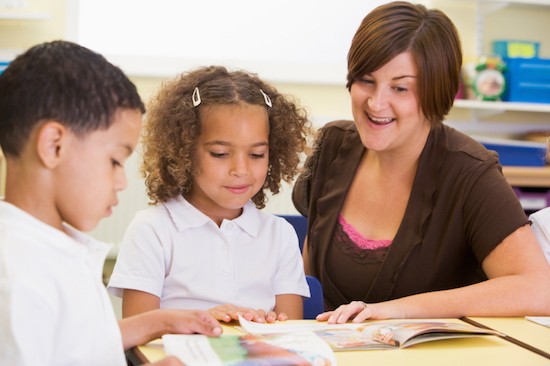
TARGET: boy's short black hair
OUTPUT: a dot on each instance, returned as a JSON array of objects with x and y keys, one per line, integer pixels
[{"x": 63, "y": 81}]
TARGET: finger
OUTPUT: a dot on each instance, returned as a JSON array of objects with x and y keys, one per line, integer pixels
[
  {"x": 259, "y": 316},
  {"x": 364, "y": 314},
  {"x": 323, "y": 317},
  {"x": 220, "y": 315},
  {"x": 271, "y": 317},
  {"x": 350, "y": 310},
  {"x": 234, "y": 315},
  {"x": 205, "y": 325},
  {"x": 333, "y": 318},
  {"x": 282, "y": 317},
  {"x": 248, "y": 315}
]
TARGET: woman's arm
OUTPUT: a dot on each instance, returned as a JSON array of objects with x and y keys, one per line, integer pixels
[
  {"x": 136, "y": 302},
  {"x": 518, "y": 275},
  {"x": 305, "y": 257}
]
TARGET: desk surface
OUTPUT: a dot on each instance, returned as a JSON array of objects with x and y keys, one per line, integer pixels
[
  {"x": 463, "y": 351},
  {"x": 533, "y": 334}
]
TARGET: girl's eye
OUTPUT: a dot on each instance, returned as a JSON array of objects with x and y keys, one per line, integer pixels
[
  {"x": 218, "y": 155},
  {"x": 257, "y": 156},
  {"x": 116, "y": 163}
]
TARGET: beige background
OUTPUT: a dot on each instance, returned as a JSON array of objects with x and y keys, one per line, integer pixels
[{"x": 324, "y": 102}]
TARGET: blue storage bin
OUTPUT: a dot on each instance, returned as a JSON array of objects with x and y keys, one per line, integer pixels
[
  {"x": 527, "y": 80},
  {"x": 516, "y": 49},
  {"x": 517, "y": 153},
  {"x": 3, "y": 66}
]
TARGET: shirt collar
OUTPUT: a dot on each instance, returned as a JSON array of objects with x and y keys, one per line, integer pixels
[
  {"x": 184, "y": 216},
  {"x": 71, "y": 243}
]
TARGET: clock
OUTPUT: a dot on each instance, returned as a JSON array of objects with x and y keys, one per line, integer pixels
[{"x": 489, "y": 82}]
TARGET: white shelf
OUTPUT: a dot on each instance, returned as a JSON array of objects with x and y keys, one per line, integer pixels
[
  {"x": 23, "y": 16},
  {"x": 501, "y": 106},
  {"x": 526, "y": 2}
]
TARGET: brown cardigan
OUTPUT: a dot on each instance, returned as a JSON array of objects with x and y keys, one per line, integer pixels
[{"x": 461, "y": 207}]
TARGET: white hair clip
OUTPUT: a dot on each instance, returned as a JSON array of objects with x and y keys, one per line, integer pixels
[
  {"x": 196, "y": 97},
  {"x": 267, "y": 99}
]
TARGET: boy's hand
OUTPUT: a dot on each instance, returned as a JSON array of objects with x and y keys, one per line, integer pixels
[{"x": 192, "y": 321}]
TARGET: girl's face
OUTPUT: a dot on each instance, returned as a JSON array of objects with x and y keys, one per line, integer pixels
[
  {"x": 232, "y": 155},
  {"x": 386, "y": 109}
]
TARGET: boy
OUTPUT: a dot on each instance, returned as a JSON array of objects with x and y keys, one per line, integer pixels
[{"x": 68, "y": 122}]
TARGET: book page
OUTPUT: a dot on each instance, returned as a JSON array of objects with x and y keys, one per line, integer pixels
[
  {"x": 542, "y": 320},
  {"x": 287, "y": 327},
  {"x": 382, "y": 334},
  {"x": 297, "y": 348}
]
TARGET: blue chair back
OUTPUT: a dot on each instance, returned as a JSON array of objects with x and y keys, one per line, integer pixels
[
  {"x": 315, "y": 304},
  {"x": 300, "y": 225}
]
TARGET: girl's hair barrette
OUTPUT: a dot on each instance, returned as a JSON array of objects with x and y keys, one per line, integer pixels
[
  {"x": 267, "y": 99},
  {"x": 196, "y": 97}
]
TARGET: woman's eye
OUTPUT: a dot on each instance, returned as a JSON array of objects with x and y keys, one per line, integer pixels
[
  {"x": 366, "y": 81},
  {"x": 116, "y": 163},
  {"x": 400, "y": 89}
]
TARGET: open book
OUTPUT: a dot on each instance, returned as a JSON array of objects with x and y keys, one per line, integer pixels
[
  {"x": 296, "y": 348},
  {"x": 542, "y": 320},
  {"x": 374, "y": 335}
]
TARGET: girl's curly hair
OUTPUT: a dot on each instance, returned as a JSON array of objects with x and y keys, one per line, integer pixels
[{"x": 173, "y": 126}]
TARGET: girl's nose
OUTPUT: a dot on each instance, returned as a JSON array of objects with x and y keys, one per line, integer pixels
[{"x": 239, "y": 166}]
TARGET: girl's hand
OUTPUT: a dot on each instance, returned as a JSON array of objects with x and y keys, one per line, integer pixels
[
  {"x": 228, "y": 312},
  {"x": 358, "y": 310}
]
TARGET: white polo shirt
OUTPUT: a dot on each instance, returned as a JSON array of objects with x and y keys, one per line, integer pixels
[
  {"x": 540, "y": 223},
  {"x": 179, "y": 254},
  {"x": 54, "y": 309}
]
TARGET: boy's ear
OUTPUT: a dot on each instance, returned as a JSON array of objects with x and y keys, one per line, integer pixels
[{"x": 49, "y": 145}]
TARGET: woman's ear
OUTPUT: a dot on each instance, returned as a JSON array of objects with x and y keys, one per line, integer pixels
[{"x": 51, "y": 137}]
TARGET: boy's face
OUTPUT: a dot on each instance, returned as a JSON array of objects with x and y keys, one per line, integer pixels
[
  {"x": 232, "y": 155},
  {"x": 92, "y": 171}
]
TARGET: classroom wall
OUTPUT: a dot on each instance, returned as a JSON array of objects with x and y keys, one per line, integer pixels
[{"x": 323, "y": 102}]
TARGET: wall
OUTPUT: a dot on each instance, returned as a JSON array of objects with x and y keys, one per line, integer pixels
[{"x": 324, "y": 102}]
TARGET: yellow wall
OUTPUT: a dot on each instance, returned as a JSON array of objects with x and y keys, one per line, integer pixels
[{"x": 324, "y": 102}]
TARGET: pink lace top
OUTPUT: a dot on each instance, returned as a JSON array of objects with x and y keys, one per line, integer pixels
[
  {"x": 359, "y": 239},
  {"x": 352, "y": 256}
]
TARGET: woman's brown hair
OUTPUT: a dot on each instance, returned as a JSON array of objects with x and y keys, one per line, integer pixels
[{"x": 431, "y": 38}]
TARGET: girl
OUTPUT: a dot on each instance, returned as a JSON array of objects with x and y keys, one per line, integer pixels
[{"x": 215, "y": 142}]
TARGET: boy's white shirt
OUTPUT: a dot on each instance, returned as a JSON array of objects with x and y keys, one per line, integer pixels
[
  {"x": 54, "y": 308},
  {"x": 541, "y": 227}
]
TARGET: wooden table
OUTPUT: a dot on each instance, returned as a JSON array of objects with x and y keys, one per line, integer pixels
[{"x": 464, "y": 351}]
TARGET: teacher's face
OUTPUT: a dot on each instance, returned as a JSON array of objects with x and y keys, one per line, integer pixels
[{"x": 386, "y": 109}]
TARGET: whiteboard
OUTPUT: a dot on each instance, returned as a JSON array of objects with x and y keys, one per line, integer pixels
[{"x": 302, "y": 41}]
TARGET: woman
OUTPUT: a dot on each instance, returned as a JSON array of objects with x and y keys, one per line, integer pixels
[{"x": 404, "y": 213}]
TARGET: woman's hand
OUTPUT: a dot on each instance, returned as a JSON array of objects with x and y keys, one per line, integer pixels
[
  {"x": 228, "y": 312},
  {"x": 358, "y": 310}
]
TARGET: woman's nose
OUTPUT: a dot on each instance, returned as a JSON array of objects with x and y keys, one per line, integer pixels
[{"x": 377, "y": 100}]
